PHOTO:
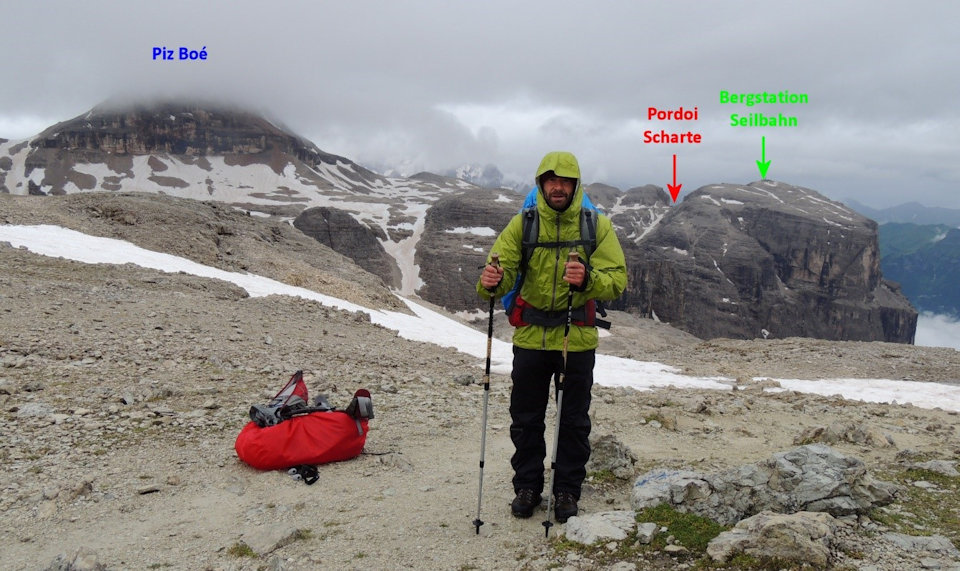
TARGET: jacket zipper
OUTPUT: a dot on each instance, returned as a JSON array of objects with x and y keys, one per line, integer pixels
[{"x": 553, "y": 298}]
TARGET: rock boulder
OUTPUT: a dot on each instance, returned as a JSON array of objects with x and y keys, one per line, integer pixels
[
  {"x": 814, "y": 477},
  {"x": 803, "y": 537}
]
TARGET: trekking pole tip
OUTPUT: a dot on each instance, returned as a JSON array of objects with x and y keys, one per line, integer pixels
[
  {"x": 477, "y": 523},
  {"x": 547, "y": 524}
]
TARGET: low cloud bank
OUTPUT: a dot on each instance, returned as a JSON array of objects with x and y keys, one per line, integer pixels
[{"x": 938, "y": 331}]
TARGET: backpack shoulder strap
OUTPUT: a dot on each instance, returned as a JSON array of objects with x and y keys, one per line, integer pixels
[
  {"x": 531, "y": 232},
  {"x": 588, "y": 230}
]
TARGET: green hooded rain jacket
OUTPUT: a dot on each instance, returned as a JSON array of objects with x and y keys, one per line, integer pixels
[{"x": 543, "y": 286}]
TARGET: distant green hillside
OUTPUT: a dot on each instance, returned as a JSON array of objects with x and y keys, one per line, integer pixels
[
  {"x": 911, "y": 212},
  {"x": 897, "y": 239},
  {"x": 925, "y": 260}
]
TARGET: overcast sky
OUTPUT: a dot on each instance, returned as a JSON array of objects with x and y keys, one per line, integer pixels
[{"x": 430, "y": 85}]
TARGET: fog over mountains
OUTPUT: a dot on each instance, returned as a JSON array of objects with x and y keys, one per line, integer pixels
[{"x": 731, "y": 260}]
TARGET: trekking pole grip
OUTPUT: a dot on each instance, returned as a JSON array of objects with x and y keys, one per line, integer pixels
[
  {"x": 572, "y": 256},
  {"x": 495, "y": 262}
]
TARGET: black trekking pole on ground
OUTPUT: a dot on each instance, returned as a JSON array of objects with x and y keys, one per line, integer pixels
[
  {"x": 495, "y": 262},
  {"x": 573, "y": 256}
]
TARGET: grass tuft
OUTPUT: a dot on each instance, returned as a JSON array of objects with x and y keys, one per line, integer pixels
[
  {"x": 689, "y": 530},
  {"x": 241, "y": 549},
  {"x": 923, "y": 511}
]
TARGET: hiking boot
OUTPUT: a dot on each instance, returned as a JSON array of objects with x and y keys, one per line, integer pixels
[
  {"x": 566, "y": 506},
  {"x": 525, "y": 502}
]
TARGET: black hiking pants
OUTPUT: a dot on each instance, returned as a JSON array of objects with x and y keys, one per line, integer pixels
[{"x": 532, "y": 374}]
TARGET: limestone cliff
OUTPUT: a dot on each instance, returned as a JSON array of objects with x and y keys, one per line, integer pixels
[{"x": 767, "y": 259}]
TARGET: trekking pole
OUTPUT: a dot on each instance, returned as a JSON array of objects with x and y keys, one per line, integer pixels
[
  {"x": 573, "y": 256},
  {"x": 495, "y": 262}
]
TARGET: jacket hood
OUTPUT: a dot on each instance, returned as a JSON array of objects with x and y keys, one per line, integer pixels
[{"x": 562, "y": 164}]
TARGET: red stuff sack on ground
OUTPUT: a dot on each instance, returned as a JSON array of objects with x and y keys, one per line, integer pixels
[
  {"x": 315, "y": 438},
  {"x": 287, "y": 432}
]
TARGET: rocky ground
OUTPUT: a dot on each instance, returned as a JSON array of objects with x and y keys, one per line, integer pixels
[{"x": 123, "y": 389}]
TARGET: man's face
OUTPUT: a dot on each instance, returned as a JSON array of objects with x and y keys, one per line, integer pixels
[{"x": 558, "y": 190}]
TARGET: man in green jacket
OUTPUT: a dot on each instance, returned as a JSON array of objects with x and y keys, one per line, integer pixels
[{"x": 549, "y": 279}]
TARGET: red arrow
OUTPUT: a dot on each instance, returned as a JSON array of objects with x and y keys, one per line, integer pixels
[{"x": 674, "y": 188}]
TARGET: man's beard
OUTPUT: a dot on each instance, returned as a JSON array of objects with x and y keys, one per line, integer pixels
[{"x": 564, "y": 201}]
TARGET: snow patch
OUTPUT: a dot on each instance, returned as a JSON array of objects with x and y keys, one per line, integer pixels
[
  {"x": 760, "y": 191},
  {"x": 827, "y": 203},
  {"x": 917, "y": 393},
  {"x": 477, "y": 231},
  {"x": 405, "y": 251},
  {"x": 716, "y": 265},
  {"x": 71, "y": 188},
  {"x": 36, "y": 175},
  {"x": 652, "y": 225}
]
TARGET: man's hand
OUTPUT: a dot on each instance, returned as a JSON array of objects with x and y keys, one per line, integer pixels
[
  {"x": 491, "y": 276},
  {"x": 574, "y": 273}
]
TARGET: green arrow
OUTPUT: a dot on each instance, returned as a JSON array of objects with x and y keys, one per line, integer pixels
[{"x": 763, "y": 164}]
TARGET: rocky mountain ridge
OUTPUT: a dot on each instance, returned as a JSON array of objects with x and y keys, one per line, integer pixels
[{"x": 427, "y": 234}]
